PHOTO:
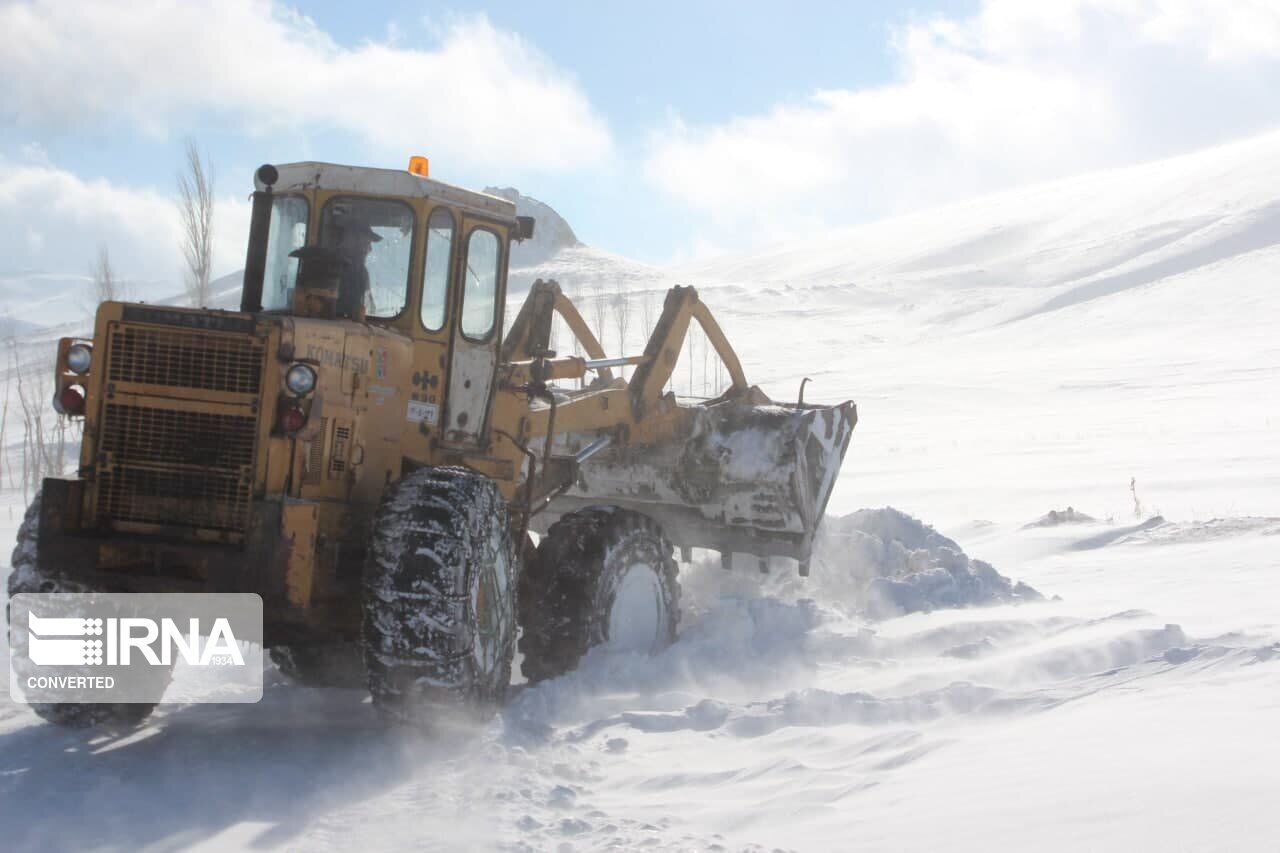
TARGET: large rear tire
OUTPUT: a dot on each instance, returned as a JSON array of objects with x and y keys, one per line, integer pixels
[
  {"x": 601, "y": 576},
  {"x": 26, "y": 576},
  {"x": 439, "y": 598}
]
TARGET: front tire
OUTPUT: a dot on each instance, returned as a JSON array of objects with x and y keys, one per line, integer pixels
[
  {"x": 26, "y": 576},
  {"x": 439, "y": 597},
  {"x": 601, "y": 576}
]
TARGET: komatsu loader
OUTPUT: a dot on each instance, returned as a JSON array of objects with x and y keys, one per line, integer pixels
[{"x": 362, "y": 446}]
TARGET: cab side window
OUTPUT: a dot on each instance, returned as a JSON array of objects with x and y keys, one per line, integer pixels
[
  {"x": 435, "y": 277},
  {"x": 479, "y": 297},
  {"x": 288, "y": 232}
]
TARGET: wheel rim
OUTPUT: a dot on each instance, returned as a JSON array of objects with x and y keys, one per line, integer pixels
[
  {"x": 486, "y": 598},
  {"x": 637, "y": 617}
]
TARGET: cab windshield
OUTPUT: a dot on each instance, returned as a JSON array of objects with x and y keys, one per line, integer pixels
[{"x": 375, "y": 237}]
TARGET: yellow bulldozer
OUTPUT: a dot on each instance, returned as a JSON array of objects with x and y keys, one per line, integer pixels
[{"x": 362, "y": 446}]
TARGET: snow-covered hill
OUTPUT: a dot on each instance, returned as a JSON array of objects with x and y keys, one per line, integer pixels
[
  {"x": 1105, "y": 326},
  {"x": 1043, "y": 247},
  {"x": 555, "y": 252},
  {"x": 1106, "y": 343},
  {"x": 551, "y": 232}
]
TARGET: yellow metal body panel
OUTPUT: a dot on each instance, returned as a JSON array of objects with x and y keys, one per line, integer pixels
[{"x": 298, "y": 523}]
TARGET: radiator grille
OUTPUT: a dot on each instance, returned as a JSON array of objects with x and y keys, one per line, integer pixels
[
  {"x": 170, "y": 437},
  {"x": 167, "y": 466},
  {"x": 208, "y": 499},
  {"x": 209, "y": 361},
  {"x": 163, "y": 464}
]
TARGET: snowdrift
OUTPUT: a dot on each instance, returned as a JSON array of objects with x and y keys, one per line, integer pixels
[{"x": 902, "y": 565}]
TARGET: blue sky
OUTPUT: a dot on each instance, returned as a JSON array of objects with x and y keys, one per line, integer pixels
[
  {"x": 662, "y": 131},
  {"x": 638, "y": 64}
]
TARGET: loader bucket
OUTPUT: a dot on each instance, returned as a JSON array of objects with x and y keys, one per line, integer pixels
[{"x": 747, "y": 478}]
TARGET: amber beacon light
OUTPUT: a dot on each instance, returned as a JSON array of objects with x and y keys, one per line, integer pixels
[{"x": 419, "y": 166}]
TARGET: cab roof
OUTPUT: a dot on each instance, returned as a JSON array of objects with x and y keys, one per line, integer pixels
[{"x": 299, "y": 177}]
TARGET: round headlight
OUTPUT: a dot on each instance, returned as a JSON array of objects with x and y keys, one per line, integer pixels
[
  {"x": 300, "y": 379},
  {"x": 79, "y": 357}
]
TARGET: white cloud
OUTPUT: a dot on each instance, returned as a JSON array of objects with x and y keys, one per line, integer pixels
[
  {"x": 1018, "y": 92},
  {"x": 57, "y": 220},
  {"x": 480, "y": 96}
]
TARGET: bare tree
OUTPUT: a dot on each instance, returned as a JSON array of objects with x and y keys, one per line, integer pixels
[
  {"x": 104, "y": 286},
  {"x": 195, "y": 204},
  {"x": 706, "y": 349},
  {"x": 599, "y": 309},
  {"x": 691, "y": 344},
  {"x": 575, "y": 296},
  {"x": 648, "y": 315},
  {"x": 621, "y": 314}
]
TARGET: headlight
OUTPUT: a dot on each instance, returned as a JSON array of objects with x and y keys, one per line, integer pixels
[
  {"x": 300, "y": 379},
  {"x": 79, "y": 357}
]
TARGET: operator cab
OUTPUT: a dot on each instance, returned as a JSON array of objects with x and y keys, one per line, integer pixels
[
  {"x": 381, "y": 226},
  {"x": 394, "y": 249}
]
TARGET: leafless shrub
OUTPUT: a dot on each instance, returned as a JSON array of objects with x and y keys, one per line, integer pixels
[
  {"x": 195, "y": 205},
  {"x": 104, "y": 286},
  {"x": 44, "y": 432}
]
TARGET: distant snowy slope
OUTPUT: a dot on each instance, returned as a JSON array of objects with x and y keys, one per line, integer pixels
[
  {"x": 43, "y": 305},
  {"x": 582, "y": 268},
  {"x": 34, "y": 298},
  {"x": 551, "y": 232},
  {"x": 48, "y": 301},
  {"x": 1111, "y": 326},
  {"x": 11, "y": 327},
  {"x": 555, "y": 252},
  {"x": 1043, "y": 247}
]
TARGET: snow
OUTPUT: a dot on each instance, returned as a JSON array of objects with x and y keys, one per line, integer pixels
[
  {"x": 1032, "y": 350},
  {"x": 907, "y": 567},
  {"x": 551, "y": 232},
  {"x": 579, "y": 268}
]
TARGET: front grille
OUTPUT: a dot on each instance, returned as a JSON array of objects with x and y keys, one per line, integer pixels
[
  {"x": 209, "y": 361},
  {"x": 168, "y": 466},
  {"x": 173, "y": 462},
  {"x": 171, "y": 437},
  {"x": 206, "y": 499}
]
